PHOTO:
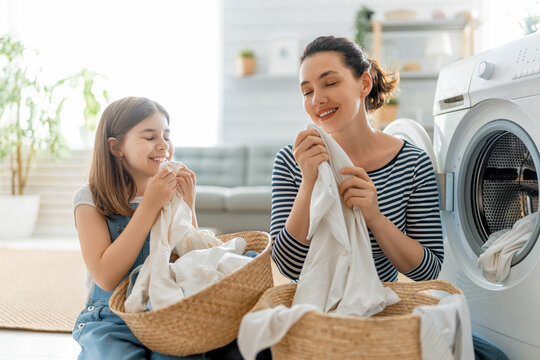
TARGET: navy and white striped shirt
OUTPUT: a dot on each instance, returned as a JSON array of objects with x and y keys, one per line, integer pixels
[{"x": 407, "y": 195}]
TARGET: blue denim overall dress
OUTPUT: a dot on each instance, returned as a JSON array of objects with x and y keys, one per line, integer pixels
[{"x": 101, "y": 333}]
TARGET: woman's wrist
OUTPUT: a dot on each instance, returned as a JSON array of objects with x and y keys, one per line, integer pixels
[{"x": 377, "y": 223}]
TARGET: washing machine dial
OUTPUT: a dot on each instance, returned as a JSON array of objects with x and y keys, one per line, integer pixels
[{"x": 485, "y": 70}]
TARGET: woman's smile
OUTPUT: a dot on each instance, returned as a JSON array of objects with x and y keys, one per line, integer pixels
[{"x": 326, "y": 113}]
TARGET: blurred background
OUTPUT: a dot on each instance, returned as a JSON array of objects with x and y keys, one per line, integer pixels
[{"x": 226, "y": 70}]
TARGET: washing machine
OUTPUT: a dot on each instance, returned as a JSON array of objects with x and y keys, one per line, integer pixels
[{"x": 486, "y": 153}]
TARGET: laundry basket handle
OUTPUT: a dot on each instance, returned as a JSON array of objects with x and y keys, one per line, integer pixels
[{"x": 433, "y": 285}]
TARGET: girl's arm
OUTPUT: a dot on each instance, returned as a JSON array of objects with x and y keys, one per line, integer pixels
[{"x": 108, "y": 262}]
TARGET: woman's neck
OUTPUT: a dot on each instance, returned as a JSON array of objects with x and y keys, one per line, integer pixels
[{"x": 358, "y": 140}]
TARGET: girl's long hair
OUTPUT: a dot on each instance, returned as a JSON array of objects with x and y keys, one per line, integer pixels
[{"x": 111, "y": 185}]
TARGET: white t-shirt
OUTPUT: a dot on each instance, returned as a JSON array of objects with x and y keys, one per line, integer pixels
[{"x": 84, "y": 196}]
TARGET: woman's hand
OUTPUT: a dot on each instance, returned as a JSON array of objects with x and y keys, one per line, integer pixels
[
  {"x": 185, "y": 180},
  {"x": 360, "y": 191},
  {"x": 309, "y": 151},
  {"x": 160, "y": 189}
]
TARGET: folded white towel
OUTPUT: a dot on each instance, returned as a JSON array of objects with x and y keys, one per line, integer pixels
[
  {"x": 501, "y": 246},
  {"x": 445, "y": 329},
  {"x": 162, "y": 283}
]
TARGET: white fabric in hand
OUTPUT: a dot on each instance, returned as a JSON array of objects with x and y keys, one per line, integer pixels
[
  {"x": 339, "y": 273},
  {"x": 172, "y": 231}
]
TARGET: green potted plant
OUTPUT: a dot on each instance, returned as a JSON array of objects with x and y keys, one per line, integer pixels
[
  {"x": 85, "y": 82},
  {"x": 29, "y": 125},
  {"x": 530, "y": 24},
  {"x": 362, "y": 24},
  {"x": 246, "y": 62}
]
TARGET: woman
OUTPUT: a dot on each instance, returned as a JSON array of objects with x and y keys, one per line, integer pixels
[{"x": 393, "y": 182}]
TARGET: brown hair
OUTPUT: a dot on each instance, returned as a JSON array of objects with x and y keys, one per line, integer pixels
[
  {"x": 111, "y": 185},
  {"x": 384, "y": 84}
]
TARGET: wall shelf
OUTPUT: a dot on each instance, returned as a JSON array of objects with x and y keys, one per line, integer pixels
[
  {"x": 418, "y": 75},
  {"x": 425, "y": 25},
  {"x": 466, "y": 26}
]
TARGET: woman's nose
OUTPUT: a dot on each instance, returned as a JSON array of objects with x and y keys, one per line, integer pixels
[{"x": 318, "y": 98}]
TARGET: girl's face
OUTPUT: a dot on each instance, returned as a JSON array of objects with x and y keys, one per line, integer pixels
[
  {"x": 333, "y": 97},
  {"x": 146, "y": 145}
]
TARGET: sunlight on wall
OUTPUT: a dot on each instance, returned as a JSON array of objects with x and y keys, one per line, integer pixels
[
  {"x": 168, "y": 51},
  {"x": 501, "y": 20}
]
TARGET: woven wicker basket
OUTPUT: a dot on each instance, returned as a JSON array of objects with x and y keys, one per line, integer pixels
[
  {"x": 393, "y": 333},
  {"x": 206, "y": 320}
]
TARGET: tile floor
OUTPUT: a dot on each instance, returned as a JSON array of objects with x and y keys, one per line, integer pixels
[{"x": 33, "y": 345}]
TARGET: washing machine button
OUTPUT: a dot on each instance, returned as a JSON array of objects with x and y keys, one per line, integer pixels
[{"x": 485, "y": 70}]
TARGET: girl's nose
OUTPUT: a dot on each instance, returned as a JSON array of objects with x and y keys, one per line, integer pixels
[{"x": 163, "y": 144}]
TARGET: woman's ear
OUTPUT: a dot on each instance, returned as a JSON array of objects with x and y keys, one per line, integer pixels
[
  {"x": 367, "y": 83},
  {"x": 114, "y": 147}
]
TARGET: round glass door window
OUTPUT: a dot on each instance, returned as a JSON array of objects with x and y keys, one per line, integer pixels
[{"x": 499, "y": 185}]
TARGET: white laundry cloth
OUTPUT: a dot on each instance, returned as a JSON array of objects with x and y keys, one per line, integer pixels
[
  {"x": 339, "y": 273},
  {"x": 261, "y": 329},
  {"x": 198, "y": 269},
  {"x": 173, "y": 231},
  {"x": 501, "y": 246},
  {"x": 445, "y": 329}
]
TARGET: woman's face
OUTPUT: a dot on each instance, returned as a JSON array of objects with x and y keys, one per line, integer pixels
[{"x": 333, "y": 97}]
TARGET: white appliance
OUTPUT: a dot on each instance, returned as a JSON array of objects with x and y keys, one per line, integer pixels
[{"x": 486, "y": 151}]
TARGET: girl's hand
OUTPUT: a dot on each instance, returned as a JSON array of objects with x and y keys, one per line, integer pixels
[
  {"x": 360, "y": 191},
  {"x": 309, "y": 151},
  {"x": 160, "y": 188},
  {"x": 185, "y": 180}
]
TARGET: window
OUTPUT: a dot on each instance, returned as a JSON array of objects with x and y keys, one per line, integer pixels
[
  {"x": 168, "y": 51},
  {"x": 501, "y": 21}
]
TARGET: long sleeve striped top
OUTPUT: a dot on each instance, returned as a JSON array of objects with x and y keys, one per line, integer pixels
[{"x": 407, "y": 196}]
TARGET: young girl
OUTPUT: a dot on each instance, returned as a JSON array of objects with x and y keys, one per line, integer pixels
[
  {"x": 114, "y": 215},
  {"x": 393, "y": 181}
]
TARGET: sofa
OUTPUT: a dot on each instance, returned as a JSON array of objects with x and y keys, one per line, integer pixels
[{"x": 233, "y": 185}]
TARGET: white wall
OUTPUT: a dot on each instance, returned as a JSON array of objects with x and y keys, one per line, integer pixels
[{"x": 269, "y": 109}]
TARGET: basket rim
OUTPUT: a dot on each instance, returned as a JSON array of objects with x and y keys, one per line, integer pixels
[
  {"x": 120, "y": 289},
  {"x": 316, "y": 314}
]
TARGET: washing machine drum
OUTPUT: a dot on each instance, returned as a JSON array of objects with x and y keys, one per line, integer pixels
[{"x": 500, "y": 185}]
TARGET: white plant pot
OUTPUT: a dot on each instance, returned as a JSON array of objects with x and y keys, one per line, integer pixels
[{"x": 18, "y": 215}]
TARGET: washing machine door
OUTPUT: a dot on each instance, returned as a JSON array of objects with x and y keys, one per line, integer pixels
[
  {"x": 413, "y": 132},
  {"x": 493, "y": 155}
]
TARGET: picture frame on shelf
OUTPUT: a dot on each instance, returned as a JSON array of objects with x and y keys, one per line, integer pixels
[{"x": 284, "y": 54}]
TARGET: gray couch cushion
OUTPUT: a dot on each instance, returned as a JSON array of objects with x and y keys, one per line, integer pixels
[
  {"x": 251, "y": 198},
  {"x": 260, "y": 161},
  {"x": 210, "y": 197},
  {"x": 217, "y": 165}
]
